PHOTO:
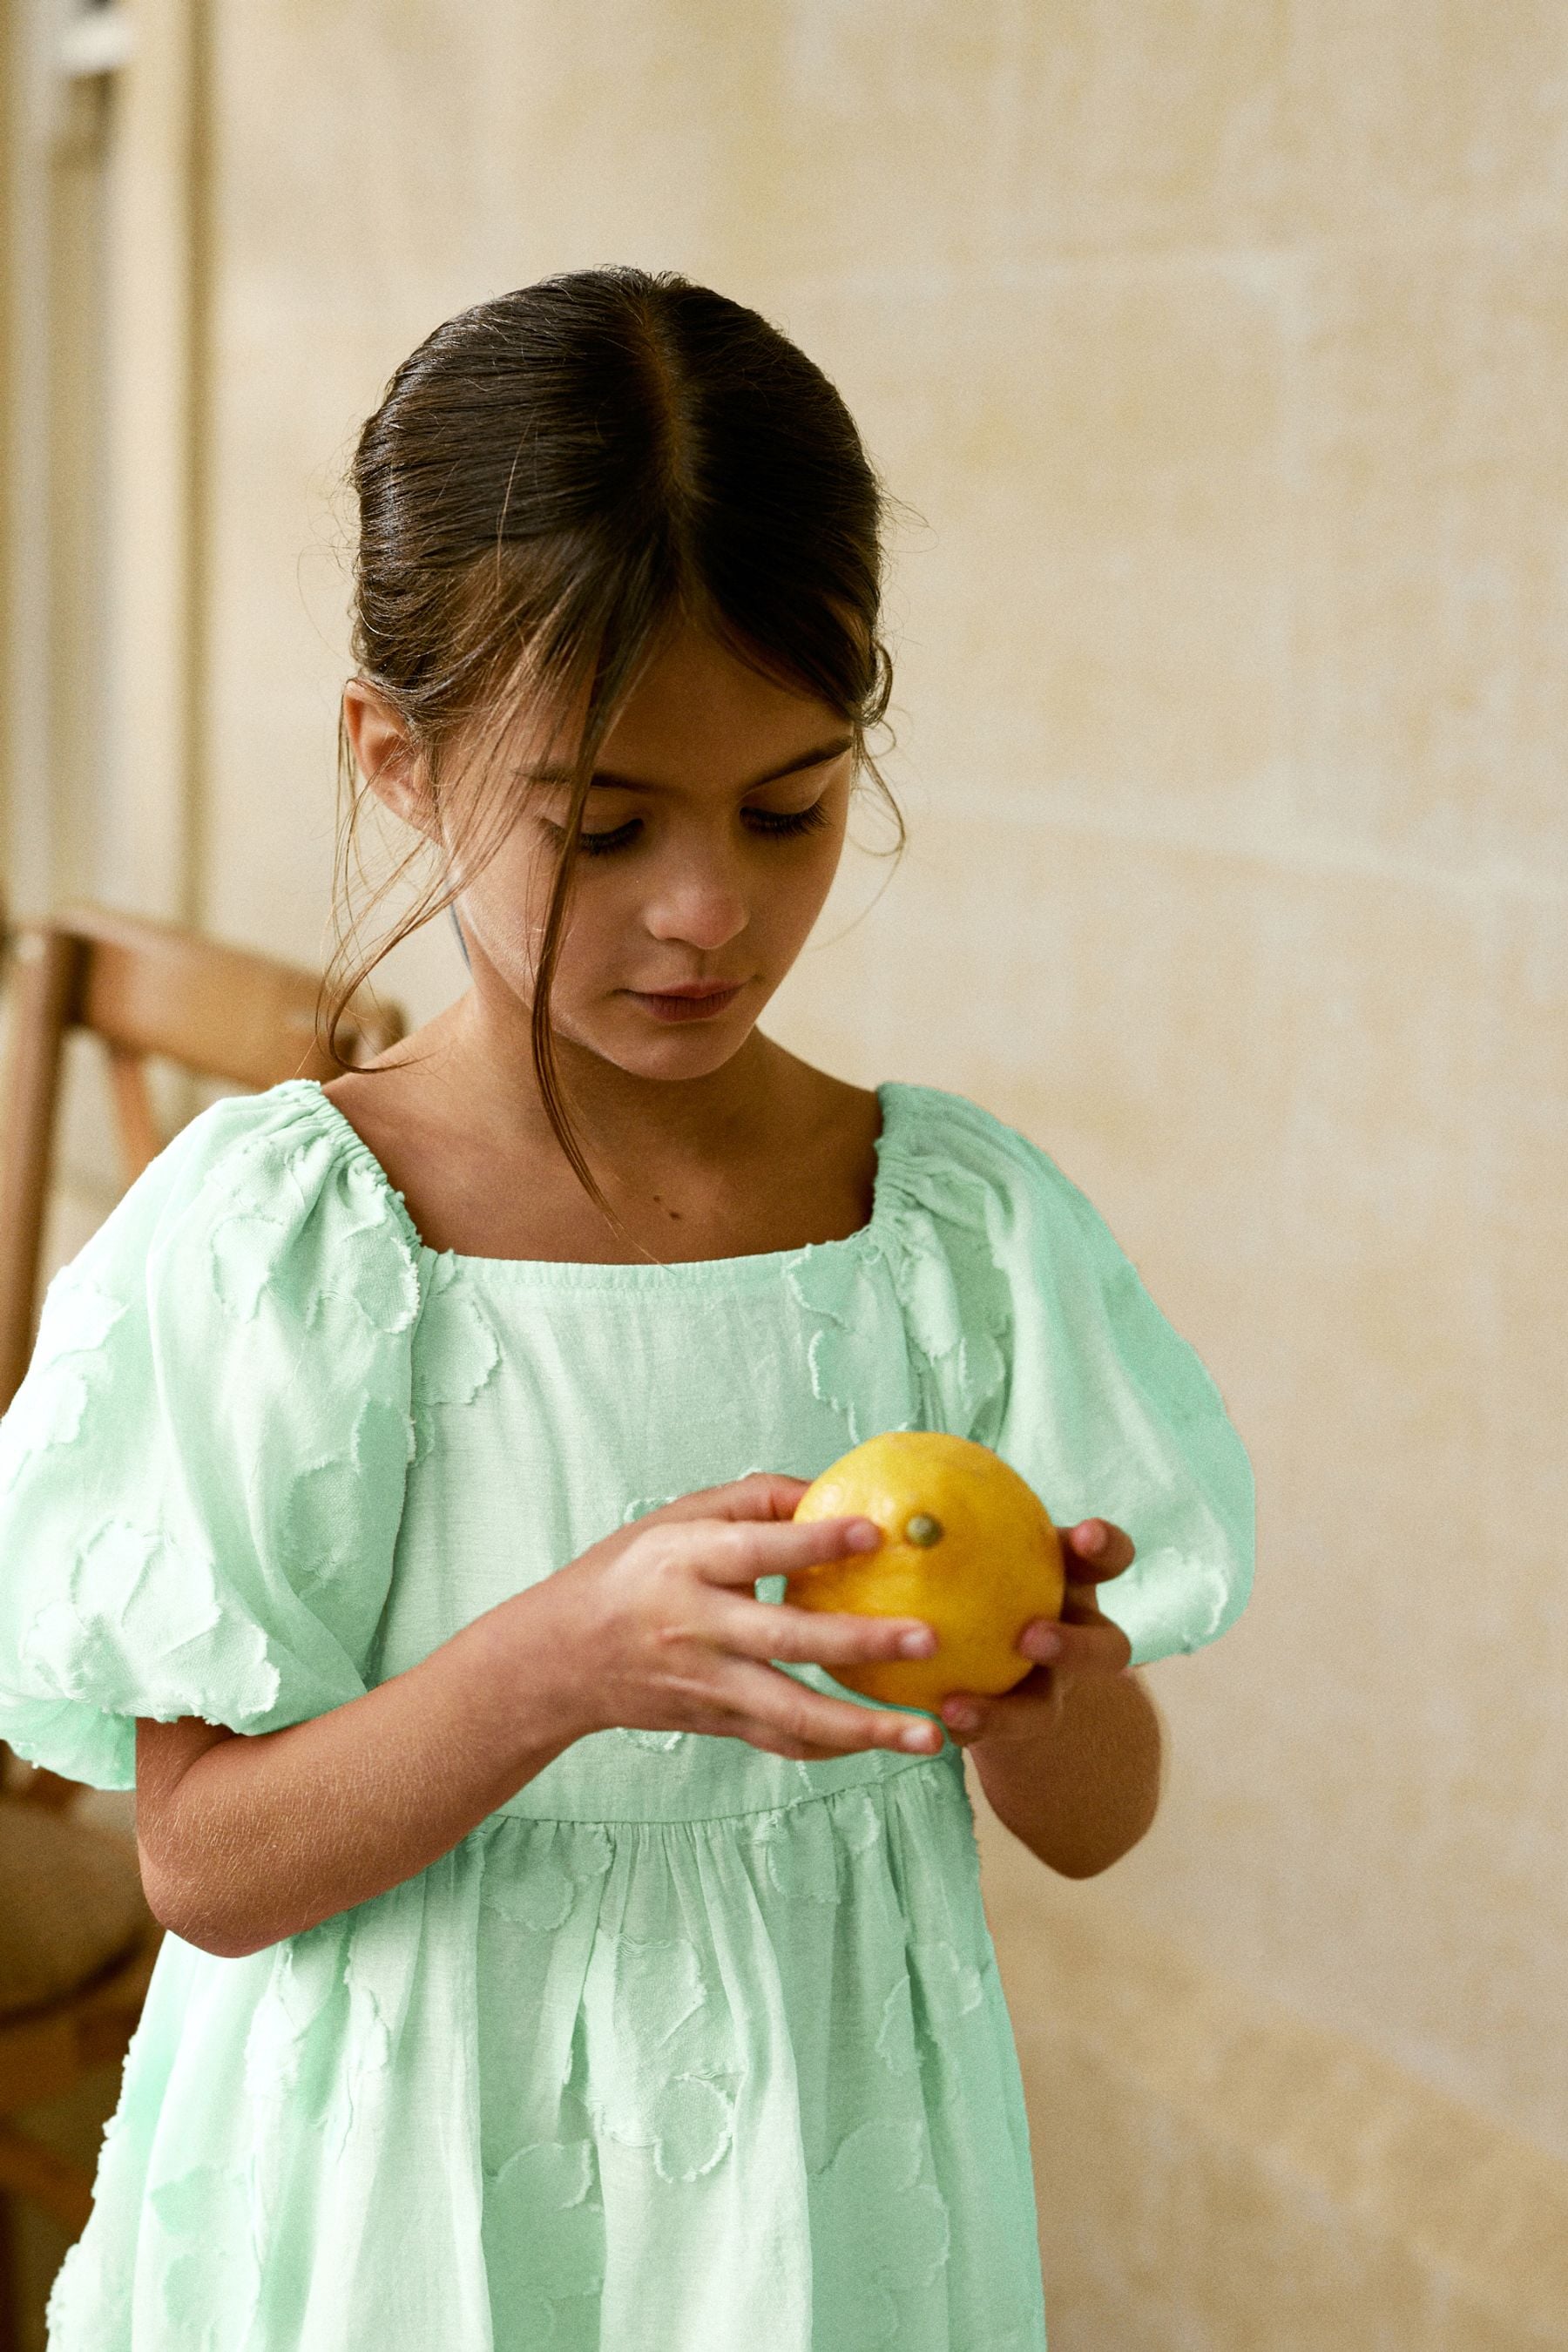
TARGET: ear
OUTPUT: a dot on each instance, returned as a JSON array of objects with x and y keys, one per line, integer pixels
[{"x": 386, "y": 758}]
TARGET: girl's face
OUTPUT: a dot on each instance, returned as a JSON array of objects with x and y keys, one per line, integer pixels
[{"x": 712, "y": 835}]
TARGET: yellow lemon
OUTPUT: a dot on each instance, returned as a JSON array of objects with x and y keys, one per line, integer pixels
[{"x": 967, "y": 1545}]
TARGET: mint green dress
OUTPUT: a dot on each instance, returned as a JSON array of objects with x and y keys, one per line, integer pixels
[{"x": 687, "y": 2047}]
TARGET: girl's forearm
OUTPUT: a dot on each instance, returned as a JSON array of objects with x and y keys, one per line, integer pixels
[
  {"x": 268, "y": 1835},
  {"x": 1083, "y": 1795}
]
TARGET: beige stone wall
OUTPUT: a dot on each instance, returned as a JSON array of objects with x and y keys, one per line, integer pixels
[{"x": 1221, "y": 349}]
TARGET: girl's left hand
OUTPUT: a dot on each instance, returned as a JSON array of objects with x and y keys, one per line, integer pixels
[{"x": 1085, "y": 1642}]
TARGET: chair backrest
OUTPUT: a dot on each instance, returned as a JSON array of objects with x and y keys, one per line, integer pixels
[{"x": 145, "y": 988}]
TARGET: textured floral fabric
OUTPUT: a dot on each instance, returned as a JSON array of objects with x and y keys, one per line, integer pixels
[{"x": 687, "y": 2047}]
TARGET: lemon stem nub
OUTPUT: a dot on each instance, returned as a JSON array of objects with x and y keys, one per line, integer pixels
[{"x": 923, "y": 1529}]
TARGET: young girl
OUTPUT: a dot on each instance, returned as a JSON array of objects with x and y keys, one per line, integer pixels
[{"x": 399, "y": 1493}]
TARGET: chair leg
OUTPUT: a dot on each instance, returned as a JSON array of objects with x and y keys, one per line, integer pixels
[{"x": 10, "y": 2284}]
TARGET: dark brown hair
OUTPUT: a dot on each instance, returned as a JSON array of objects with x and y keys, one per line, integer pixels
[{"x": 553, "y": 481}]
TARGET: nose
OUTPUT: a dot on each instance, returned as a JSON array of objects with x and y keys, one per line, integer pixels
[{"x": 701, "y": 899}]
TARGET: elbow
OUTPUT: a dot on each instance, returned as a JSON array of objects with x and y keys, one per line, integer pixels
[
  {"x": 206, "y": 1939},
  {"x": 1129, "y": 1792},
  {"x": 178, "y": 1915},
  {"x": 1092, "y": 1865}
]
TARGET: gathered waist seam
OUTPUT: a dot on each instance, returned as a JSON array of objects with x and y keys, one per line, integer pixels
[{"x": 939, "y": 1761}]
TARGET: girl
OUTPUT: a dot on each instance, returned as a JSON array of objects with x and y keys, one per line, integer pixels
[{"x": 399, "y": 1496}]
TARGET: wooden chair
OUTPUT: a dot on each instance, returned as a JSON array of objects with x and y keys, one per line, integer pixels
[{"x": 77, "y": 1939}]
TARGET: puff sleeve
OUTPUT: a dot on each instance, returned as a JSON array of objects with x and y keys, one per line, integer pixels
[
  {"x": 1109, "y": 1412},
  {"x": 202, "y": 1473}
]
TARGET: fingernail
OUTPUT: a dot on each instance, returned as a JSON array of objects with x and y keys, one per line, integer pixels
[
  {"x": 1046, "y": 1644},
  {"x": 916, "y": 1737},
  {"x": 918, "y": 1644},
  {"x": 1092, "y": 1535},
  {"x": 864, "y": 1535},
  {"x": 962, "y": 1717}
]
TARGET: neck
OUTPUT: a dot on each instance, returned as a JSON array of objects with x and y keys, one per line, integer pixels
[{"x": 484, "y": 1068}]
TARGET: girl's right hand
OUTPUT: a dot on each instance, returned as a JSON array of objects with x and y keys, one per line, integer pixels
[{"x": 656, "y": 1628}]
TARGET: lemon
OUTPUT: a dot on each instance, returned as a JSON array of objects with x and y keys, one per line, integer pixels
[{"x": 967, "y": 1545}]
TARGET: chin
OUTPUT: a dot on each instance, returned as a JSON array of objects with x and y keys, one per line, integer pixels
[{"x": 663, "y": 1050}]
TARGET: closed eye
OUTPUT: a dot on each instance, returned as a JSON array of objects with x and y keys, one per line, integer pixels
[{"x": 771, "y": 822}]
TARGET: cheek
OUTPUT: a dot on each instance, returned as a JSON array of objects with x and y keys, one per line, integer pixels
[
  {"x": 506, "y": 906},
  {"x": 799, "y": 900}
]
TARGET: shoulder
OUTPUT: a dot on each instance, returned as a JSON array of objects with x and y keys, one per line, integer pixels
[
  {"x": 1003, "y": 1199},
  {"x": 261, "y": 1192},
  {"x": 949, "y": 1135}
]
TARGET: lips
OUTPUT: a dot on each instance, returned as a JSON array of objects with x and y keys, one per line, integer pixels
[{"x": 692, "y": 989}]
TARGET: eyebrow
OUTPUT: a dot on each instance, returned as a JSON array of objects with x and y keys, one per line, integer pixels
[{"x": 608, "y": 776}]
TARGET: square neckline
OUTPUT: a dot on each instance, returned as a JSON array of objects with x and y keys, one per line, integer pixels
[{"x": 634, "y": 1274}]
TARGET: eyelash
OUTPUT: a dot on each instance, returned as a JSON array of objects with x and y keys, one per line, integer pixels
[{"x": 773, "y": 823}]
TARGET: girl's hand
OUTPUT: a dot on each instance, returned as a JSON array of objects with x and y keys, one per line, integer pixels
[
  {"x": 1085, "y": 1643},
  {"x": 656, "y": 1628}
]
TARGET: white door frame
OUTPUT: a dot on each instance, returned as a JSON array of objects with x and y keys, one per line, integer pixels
[{"x": 107, "y": 810}]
